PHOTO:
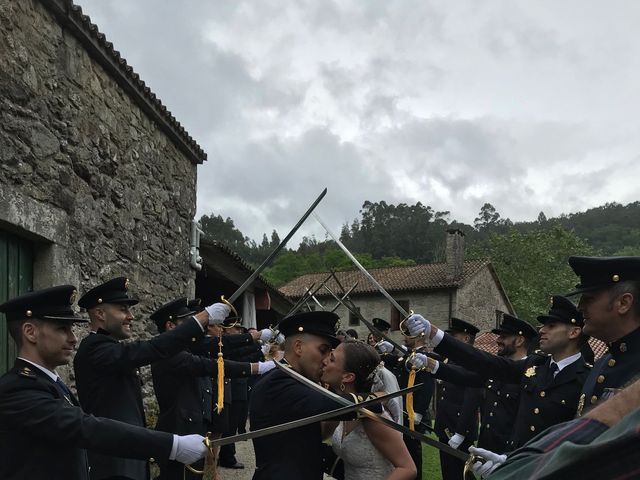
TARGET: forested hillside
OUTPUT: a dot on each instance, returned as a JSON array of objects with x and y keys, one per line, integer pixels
[{"x": 530, "y": 257}]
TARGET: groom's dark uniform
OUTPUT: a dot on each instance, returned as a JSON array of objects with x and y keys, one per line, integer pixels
[{"x": 278, "y": 398}]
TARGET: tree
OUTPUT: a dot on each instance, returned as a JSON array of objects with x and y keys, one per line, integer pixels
[
  {"x": 533, "y": 266},
  {"x": 488, "y": 217}
]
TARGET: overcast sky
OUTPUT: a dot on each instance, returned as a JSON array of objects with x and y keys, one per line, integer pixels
[{"x": 528, "y": 105}]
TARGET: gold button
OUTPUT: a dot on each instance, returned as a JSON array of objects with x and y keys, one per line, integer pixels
[
  {"x": 300, "y": 329},
  {"x": 563, "y": 402},
  {"x": 495, "y": 404},
  {"x": 152, "y": 460},
  {"x": 600, "y": 378},
  {"x": 487, "y": 426},
  {"x": 29, "y": 313},
  {"x": 611, "y": 362},
  {"x": 594, "y": 399},
  {"x": 99, "y": 300},
  {"x": 536, "y": 410},
  {"x": 533, "y": 429},
  {"x": 507, "y": 395},
  {"x": 542, "y": 393},
  {"x": 616, "y": 278},
  {"x": 193, "y": 339},
  {"x": 491, "y": 414}
]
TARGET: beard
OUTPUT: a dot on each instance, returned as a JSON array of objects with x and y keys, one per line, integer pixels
[{"x": 506, "y": 350}]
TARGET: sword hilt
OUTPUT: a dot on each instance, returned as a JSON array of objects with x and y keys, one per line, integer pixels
[
  {"x": 207, "y": 443},
  {"x": 229, "y": 304}
]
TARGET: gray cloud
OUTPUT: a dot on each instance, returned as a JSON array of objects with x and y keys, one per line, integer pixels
[{"x": 528, "y": 105}]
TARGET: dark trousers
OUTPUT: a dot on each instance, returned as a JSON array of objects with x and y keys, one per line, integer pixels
[
  {"x": 452, "y": 467},
  {"x": 415, "y": 450},
  {"x": 237, "y": 415}
]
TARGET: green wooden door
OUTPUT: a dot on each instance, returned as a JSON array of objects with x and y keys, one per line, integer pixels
[{"x": 16, "y": 277}]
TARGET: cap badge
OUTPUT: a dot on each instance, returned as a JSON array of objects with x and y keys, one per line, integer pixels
[
  {"x": 616, "y": 278},
  {"x": 300, "y": 329},
  {"x": 551, "y": 301},
  {"x": 73, "y": 297},
  {"x": 531, "y": 371},
  {"x": 126, "y": 284},
  {"x": 28, "y": 313}
]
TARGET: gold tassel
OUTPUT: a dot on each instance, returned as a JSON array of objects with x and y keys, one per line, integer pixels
[
  {"x": 220, "y": 403},
  {"x": 410, "y": 412}
]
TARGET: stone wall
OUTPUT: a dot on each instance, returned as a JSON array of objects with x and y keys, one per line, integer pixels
[
  {"x": 478, "y": 300},
  {"x": 84, "y": 173},
  {"x": 433, "y": 305}
]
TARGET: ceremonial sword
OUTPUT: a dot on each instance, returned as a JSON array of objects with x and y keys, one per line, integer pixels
[
  {"x": 369, "y": 325},
  {"x": 280, "y": 246},
  {"x": 369, "y": 414},
  {"x": 361, "y": 268},
  {"x": 282, "y": 427}
]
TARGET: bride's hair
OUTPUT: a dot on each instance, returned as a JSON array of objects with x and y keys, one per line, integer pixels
[{"x": 362, "y": 360}]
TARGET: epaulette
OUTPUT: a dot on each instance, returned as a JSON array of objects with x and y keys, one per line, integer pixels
[{"x": 26, "y": 372}]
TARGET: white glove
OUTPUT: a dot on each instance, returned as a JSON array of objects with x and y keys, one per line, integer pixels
[
  {"x": 417, "y": 417},
  {"x": 279, "y": 339},
  {"x": 266, "y": 334},
  {"x": 417, "y": 324},
  {"x": 217, "y": 313},
  {"x": 456, "y": 440},
  {"x": 385, "y": 347},
  {"x": 493, "y": 461},
  {"x": 419, "y": 360},
  {"x": 188, "y": 448},
  {"x": 265, "y": 348},
  {"x": 264, "y": 367}
]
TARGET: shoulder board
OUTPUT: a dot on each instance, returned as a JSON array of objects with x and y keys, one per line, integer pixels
[{"x": 26, "y": 372}]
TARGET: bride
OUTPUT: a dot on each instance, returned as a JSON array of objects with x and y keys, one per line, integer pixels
[{"x": 370, "y": 450}]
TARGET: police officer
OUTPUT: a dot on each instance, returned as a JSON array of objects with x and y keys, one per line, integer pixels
[
  {"x": 550, "y": 385},
  {"x": 500, "y": 400},
  {"x": 183, "y": 385},
  {"x": 457, "y": 408},
  {"x": 610, "y": 302},
  {"x": 278, "y": 398},
  {"x": 107, "y": 375},
  {"x": 44, "y": 432},
  {"x": 239, "y": 407}
]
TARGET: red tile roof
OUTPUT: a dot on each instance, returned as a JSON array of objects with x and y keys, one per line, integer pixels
[
  {"x": 431, "y": 276},
  {"x": 487, "y": 341}
]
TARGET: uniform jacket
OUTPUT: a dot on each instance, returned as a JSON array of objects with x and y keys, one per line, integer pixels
[
  {"x": 541, "y": 405},
  {"x": 295, "y": 454},
  {"x": 108, "y": 383},
  {"x": 611, "y": 372},
  {"x": 44, "y": 433},
  {"x": 182, "y": 384},
  {"x": 498, "y": 409},
  {"x": 457, "y": 408}
]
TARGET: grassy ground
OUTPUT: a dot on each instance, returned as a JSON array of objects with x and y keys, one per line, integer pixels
[{"x": 430, "y": 463}]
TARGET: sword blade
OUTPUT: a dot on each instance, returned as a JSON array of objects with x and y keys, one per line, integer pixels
[
  {"x": 360, "y": 267},
  {"x": 280, "y": 246},
  {"x": 368, "y": 324},
  {"x": 373, "y": 416},
  {"x": 282, "y": 427}
]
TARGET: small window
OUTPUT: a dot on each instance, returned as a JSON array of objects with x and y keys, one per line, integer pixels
[
  {"x": 396, "y": 317},
  {"x": 353, "y": 318}
]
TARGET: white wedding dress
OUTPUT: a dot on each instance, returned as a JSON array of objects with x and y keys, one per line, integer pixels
[{"x": 362, "y": 461}]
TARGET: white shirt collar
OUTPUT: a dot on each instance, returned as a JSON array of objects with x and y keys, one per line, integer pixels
[
  {"x": 566, "y": 361},
  {"x": 53, "y": 375}
]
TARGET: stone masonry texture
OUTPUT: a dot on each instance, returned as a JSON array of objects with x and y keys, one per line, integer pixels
[{"x": 84, "y": 173}]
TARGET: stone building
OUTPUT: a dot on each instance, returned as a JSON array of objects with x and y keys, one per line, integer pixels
[
  {"x": 468, "y": 289},
  {"x": 97, "y": 178}
]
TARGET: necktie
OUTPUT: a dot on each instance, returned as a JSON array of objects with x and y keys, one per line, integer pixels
[
  {"x": 63, "y": 388},
  {"x": 553, "y": 368}
]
